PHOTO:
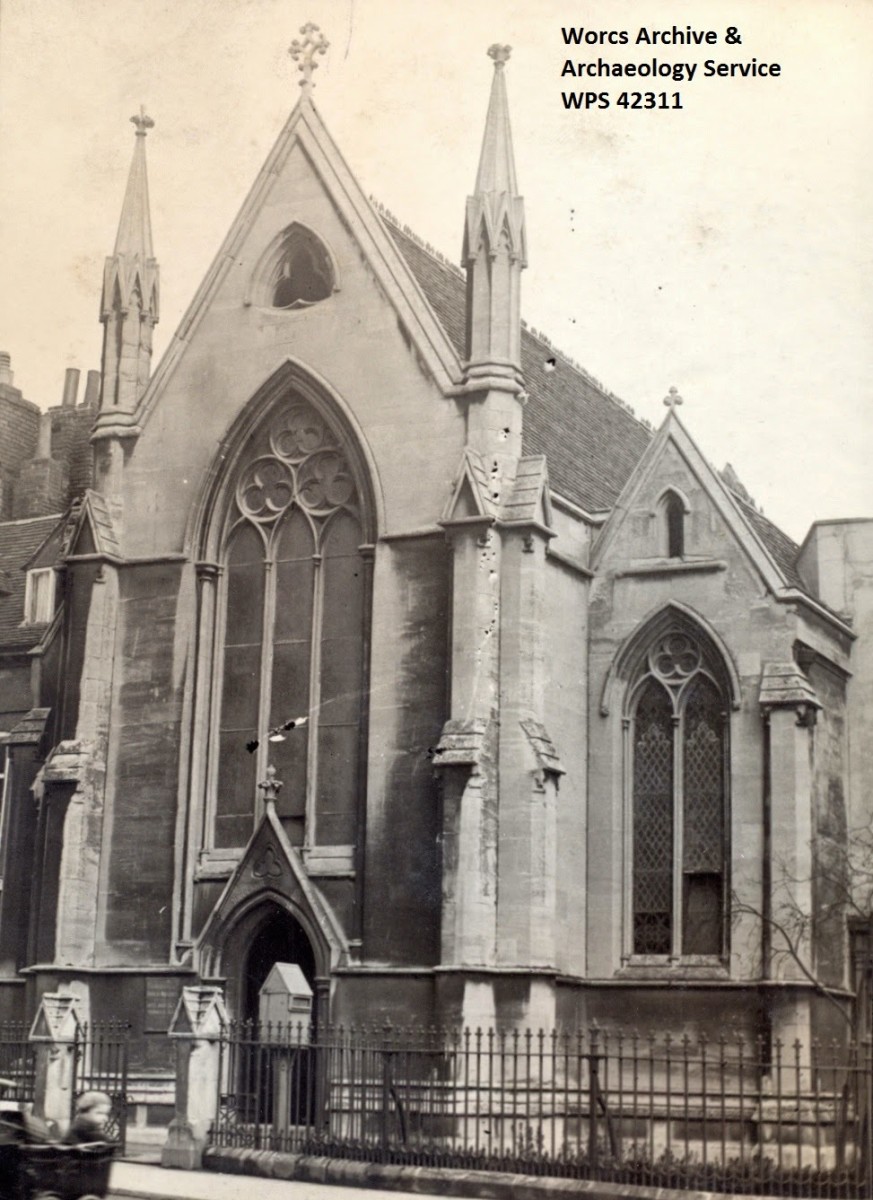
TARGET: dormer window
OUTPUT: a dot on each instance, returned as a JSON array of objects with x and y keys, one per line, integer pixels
[
  {"x": 303, "y": 274},
  {"x": 39, "y": 596}
]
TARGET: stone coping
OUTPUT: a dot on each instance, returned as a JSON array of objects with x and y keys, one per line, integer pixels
[{"x": 449, "y": 1182}]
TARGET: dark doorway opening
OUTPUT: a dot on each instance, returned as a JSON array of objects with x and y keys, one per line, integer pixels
[
  {"x": 280, "y": 938},
  {"x": 276, "y": 1069}
]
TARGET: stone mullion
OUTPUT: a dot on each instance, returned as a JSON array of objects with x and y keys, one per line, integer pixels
[
  {"x": 267, "y": 629},
  {"x": 310, "y": 837},
  {"x": 678, "y": 823},
  {"x": 627, "y": 891}
]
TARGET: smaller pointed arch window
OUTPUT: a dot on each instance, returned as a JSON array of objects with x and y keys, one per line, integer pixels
[
  {"x": 303, "y": 273},
  {"x": 672, "y": 512},
  {"x": 678, "y": 728}
]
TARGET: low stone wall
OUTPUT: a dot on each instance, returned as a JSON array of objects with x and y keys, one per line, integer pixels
[{"x": 491, "y": 1185}]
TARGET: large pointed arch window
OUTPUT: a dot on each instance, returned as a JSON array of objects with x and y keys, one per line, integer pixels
[
  {"x": 293, "y": 636},
  {"x": 678, "y": 800}
]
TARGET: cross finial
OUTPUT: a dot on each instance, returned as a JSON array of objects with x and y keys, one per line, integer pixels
[
  {"x": 673, "y": 399},
  {"x": 271, "y": 786},
  {"x": 303, "y": 51},
  {"x": 500, "y": 54},
  {"x": 142, "y": 122}
]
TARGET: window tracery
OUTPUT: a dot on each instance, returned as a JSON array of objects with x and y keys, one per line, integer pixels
[
  {"x": 293, "y": 632},
  {"x": 678, "y": 732},
  {"x": 303, "y": 273}
]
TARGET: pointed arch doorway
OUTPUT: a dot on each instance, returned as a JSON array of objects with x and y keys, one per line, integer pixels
[{"x": 279, "y": 938}]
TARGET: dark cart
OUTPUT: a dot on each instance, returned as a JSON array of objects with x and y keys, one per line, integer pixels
[{"x": 30, "y": 1170}]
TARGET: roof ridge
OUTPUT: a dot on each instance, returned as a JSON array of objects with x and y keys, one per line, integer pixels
[
  {"x": 391, "y": 218},
  {"x": 30, "y": 520},
  {"x": 759, "y": 512}
]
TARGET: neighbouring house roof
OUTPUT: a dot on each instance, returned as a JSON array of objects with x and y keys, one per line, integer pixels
[{"x": 19, "y": 542}]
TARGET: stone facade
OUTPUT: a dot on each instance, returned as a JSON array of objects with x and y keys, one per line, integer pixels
[{"x": 383, "y": 649}]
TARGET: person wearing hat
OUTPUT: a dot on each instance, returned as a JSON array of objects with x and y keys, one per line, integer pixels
[{"x": 92, "y": 1114}]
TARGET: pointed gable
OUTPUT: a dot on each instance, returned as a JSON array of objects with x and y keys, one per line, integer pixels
[
  {"x": 271, "y": 866},
  {"x": 305, "y": 144},
  {"x": 770, "y": 552},
  {"x": 90, "y": 529}
]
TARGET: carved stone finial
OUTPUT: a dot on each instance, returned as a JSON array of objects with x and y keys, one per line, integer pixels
[
  {"x": 303, "y": 51},
  {"x": 500, "y": 54},
  {"x": 271, "y": 786},
  {"x": 142, "y": 122},
  {"x": 673, "y": 399}
]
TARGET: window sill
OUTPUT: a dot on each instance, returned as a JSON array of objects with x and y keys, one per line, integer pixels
[
  {"x": 322, "y": 862},
  {"x": 330, "y": 861},
  {"x": 673, "y": 566},
  {"x": 695, "y": 966},
  {"x": 217, "y": 864}
]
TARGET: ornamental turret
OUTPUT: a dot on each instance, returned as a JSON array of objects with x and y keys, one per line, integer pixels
[
  {"x": 129, "y": 307},
  {"x": 495, "y": 252}
]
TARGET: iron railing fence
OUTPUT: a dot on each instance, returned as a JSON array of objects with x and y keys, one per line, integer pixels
[
  {"x": 719, "y": 1116},
  {"x": 17, "y": 1062},
  {"x": 100, "y": 1064}
]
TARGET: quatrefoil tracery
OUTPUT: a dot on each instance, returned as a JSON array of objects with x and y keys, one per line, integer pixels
[{"x": 306, "y": 467}]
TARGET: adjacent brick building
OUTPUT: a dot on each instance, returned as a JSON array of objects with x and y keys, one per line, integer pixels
[{"x": 391, "y": 644}]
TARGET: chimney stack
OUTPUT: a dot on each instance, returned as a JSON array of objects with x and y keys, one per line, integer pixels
[
  {"x": 92, "y": 390},
  {"x": 44, "y": 440},
  {"x": 71, "y": 387},
  {"x": 5, "y": 367}
]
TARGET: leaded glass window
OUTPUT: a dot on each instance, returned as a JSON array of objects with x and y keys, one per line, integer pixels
[
  {"x": 679, "y": 798},
  {"x": 293, "y": 633}
]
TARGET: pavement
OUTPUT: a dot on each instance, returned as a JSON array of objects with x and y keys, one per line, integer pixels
[{"x": 149, "y": 1182}]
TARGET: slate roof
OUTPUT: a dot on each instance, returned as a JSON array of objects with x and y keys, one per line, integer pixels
[
  {"x": 591, "y": 439},
  {"x": 19, "y": 541},
  {"x": 782, "y": 549}
]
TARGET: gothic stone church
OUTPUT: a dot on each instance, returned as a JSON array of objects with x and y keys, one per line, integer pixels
[{"x": 368, "y": 632}]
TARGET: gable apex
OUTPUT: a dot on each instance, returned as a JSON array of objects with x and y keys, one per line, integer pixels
[
  {"x": 305, "y": 130},
  {"x": 673, "y": 433}
]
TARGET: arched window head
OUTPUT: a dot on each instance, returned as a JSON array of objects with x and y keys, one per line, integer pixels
[
  {"x": 678, "y": 799},
  {"x": 295, "y": 603},
  {"x": 672, "y": 510},
  {"x": 303, "y": 273}
]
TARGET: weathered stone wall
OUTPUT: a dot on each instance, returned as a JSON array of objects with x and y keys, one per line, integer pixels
[
  {"x": 144, "y": 782},
  {"x": 407, "y": 708},
  {"x": 566, "y": 719},
  {"x": 829, "y": 823}
]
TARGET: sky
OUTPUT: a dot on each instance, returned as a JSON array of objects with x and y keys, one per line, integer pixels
[{"x": 722, "y": 248}]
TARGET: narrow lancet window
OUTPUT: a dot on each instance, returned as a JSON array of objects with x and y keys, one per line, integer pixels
[
  {"x": 674, "y": 518},
  {"x": 679, "y": 802}
]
